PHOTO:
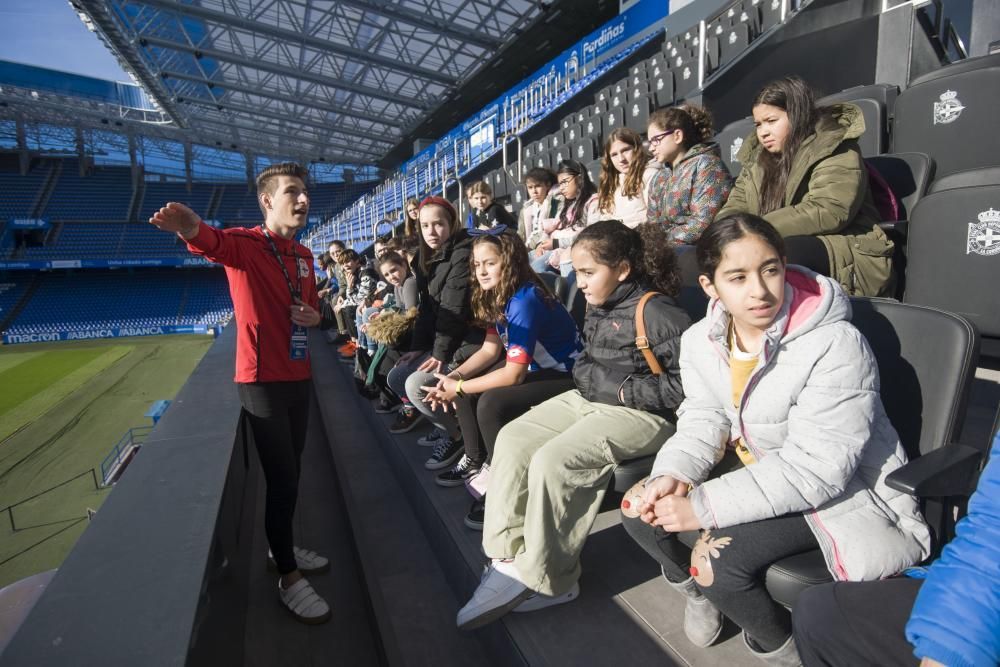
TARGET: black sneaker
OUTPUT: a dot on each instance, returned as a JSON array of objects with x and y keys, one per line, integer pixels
[
  {"x": 386, "y": 406},
  {"x": 461, "y": 471},
  {"x": 445, "y": 454},
  {"x": 407, "y": 418},
  {"x": 474, "y": 519}
]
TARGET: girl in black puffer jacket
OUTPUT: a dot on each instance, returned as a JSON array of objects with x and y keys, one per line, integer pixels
[{"x": 552, "y": 465}]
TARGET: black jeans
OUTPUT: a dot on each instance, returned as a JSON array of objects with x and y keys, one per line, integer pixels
[
  {"x": 729, "y": 565},
  {"x": 481, "y": 416},
  {"x": 856, "y": 623},
  {"x": 278, "y": 415}
]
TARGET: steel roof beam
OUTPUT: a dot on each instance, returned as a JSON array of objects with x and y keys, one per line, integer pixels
[
  {"x": 416, "y": 19},
  {"x": 314, "y": 141},
  {"x": 251, "y": 112},
  {"x": 293, "y": 37},
  {"x": 282, "y": 70},
  {"x": 297, "y": 100}
]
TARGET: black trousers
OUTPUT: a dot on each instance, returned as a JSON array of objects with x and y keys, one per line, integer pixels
[
  {"x": 729, "y": 565},
  {"x": 481, "y": 416},
  {"x": 278, "y": 415},
  {"x": 856, "y": 624}
]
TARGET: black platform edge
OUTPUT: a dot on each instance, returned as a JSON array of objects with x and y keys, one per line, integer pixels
[{"x": 413, "y": 605}]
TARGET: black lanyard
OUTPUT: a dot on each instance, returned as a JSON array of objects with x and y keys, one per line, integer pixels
[{"x": 296, "y": 292}]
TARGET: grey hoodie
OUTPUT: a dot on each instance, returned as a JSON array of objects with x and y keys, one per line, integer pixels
[{"x": 812, "y": 416}]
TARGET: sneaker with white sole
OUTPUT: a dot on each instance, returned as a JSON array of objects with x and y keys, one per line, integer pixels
[
  {"x": 476, "y": 485},
  {"x": 445, "y": 454},
  {"x": 304, "y": 602},
  {"x": 458, "y": 473},
  {"x": 432, "y": 439},
  {"x": 308, "y": 562},
  {"x": 499, "y": 591},
  {"x": 540, "y": 601}
]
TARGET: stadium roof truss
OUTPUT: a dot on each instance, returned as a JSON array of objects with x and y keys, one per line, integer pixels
[{"x": 330, "y": 80}]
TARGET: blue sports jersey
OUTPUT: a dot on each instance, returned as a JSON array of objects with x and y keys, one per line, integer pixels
[{"x": 537, "y": 333}]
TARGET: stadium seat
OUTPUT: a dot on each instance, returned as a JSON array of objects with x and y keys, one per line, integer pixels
[
  {"x": 637, "y": 114},
  {"x": 931, "y": 357},
  {"x": 953, "y": 243},
  {"x": 967, "y": 65},
  {"x": 638, "y": 90},
  {"x": 555, "y": 140},
  {"x": 603, "y": 95},
  {"x": 876, "y": 103},
  {"x": 594, "y": 170},
  {"x": 770, "y": 13},
  {"x": 686, "y": 78},
  {"x": 730, "y": 140},
  {"x": 593, "y": 128},
  {"x": 542, "y": 160},
  {"x": 572, "y": 133},
  {"x": 497, "y": 180},
  {"x": 663, "y": 89},
  {"x": 559, "y": 154},
  {"x": 733, "y": 42},
  {"x": 966, "y": 179},
  {"x": 583, "y": 151},
  {"x": 908, "y": 174},
  {"x": 946, "y": 116},
  {"x": 613, "y": 119}
]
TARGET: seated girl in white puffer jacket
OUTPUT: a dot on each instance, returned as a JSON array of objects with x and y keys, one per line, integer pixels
[{"x": 782, "y": 393}]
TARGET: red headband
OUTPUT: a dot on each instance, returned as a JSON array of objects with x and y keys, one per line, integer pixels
[{"x": 443, "y": 203}]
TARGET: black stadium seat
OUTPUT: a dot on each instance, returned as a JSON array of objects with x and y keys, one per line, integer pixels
[
  {"x": 497, "y": 180},
  {"x": 594, "y": 170},
  {"x": 593, "y": 128},
  {"x": 663, "y": 89},
  {"x": 612, "y": 120},
  {"x": 572, "y": 133},
  {"x": 730, "y": 140},
  {"x": 583, "y": 150},
  {"x": 953, "y": 256},
  {"x": 637, "y": 114},
  {"x": 949, "y": 118},
  {"x": 559, "y": 154},
  {"x": 967, "y": 65},
  {"x": 877, "y": 103},
  {"x": 908, "y": 174},
  {"x": 966, "y": 179}
]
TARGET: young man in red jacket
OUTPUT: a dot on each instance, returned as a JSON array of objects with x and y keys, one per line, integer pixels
[{"x": 274, "y": 297}]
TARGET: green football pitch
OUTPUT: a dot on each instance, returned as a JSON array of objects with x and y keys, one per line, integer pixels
[{"x": 63, "y": 407}]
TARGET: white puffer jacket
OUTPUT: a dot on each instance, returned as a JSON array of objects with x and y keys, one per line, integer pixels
[{"x": 812, "y": 416}]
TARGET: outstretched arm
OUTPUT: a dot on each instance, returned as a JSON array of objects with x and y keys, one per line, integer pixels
[{"x": 201, "y": 239}]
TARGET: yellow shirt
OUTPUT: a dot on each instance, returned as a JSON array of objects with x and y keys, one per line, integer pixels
[{"x": 741, "y": 366}]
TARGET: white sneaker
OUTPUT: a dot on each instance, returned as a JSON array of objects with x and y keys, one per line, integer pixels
[
  {"x": 476, "y": 485},
  {"x": 308, "y": 562},
  {"x": 540, "y": 601},
  {"x": 305, "y": 603},
  {"x": 499, "y": 591}
]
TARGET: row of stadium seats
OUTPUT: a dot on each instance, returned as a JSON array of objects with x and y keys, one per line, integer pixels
[{"x": 110, "y": 299}]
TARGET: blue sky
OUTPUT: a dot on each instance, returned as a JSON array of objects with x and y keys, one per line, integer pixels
[{"x": 48, "y": 33}]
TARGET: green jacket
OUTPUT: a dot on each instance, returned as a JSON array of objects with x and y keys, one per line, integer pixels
[{"x": 827, "y": 195}]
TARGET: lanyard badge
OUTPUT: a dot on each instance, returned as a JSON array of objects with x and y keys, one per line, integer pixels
[{"x": 298, "y": 343}]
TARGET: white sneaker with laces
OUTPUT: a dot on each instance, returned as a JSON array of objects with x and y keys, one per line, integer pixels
[
  {"x": 304, "y": 603},
  {"x": 499, "y": 591},
  {"x": 476, "y": 485},
  {"x": 308, "y": 562},
  {"x": 540, "y": 601}
]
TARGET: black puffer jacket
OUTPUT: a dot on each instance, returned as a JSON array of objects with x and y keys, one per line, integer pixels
[
  {"x": 611, "y": 361},
  {"x": 445, "y": 311}
]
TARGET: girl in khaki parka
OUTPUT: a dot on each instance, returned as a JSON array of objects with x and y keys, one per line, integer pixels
[{"x": 805, "y": 175}]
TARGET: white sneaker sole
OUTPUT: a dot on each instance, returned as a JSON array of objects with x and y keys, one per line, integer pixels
[
  {"x": 487, "y": 616},
  {"x": 539, "y": 601}
]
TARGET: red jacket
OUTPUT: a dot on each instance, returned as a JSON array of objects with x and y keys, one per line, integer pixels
[{"x": 261, "y": 298}]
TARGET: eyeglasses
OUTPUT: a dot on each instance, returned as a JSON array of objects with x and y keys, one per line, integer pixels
[
  {"x": 565, "y": 181},
  {"x": 655, "y": 140}
]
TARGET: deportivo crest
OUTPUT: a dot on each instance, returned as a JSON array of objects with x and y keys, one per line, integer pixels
[
  {"x": 735, "y": 149},
  {"x": 303, "y": 268},
  {"x": 984, "y": 236},
  {"x": 948, "y": 109}
]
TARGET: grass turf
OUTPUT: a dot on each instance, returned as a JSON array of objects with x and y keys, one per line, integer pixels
[{"x": 63, "y": 406}]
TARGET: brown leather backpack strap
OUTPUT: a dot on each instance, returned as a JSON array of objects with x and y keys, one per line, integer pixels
[{"x": 641, "y": 341}]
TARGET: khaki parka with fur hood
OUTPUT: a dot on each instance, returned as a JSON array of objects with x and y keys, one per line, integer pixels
[{"x": 827, "y": 196}]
